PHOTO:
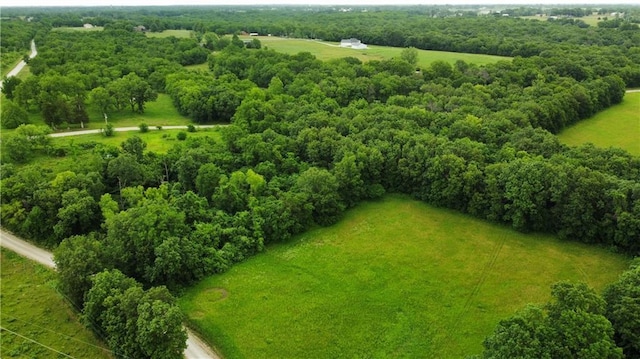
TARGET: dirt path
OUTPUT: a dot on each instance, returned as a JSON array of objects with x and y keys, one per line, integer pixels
[{"x": 196, "y": 348}]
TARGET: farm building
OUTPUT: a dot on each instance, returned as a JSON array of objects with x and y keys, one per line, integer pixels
[{"x": 352, "y": 43}]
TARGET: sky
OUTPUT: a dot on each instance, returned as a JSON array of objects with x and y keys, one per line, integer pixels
[{"x": 298, "y": 2}]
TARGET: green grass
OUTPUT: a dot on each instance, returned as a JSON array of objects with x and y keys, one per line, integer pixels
[
  {"x": 168, "y": 33},
  {"x": 394, "y": 278},
  {"x": 157, "y": 141},
  {"x": 617, "y": 126},
  {"x": 32, "y": 308},
  {"x": 75, "y": 29},
  {"x": 591, "y": 20},
  {"x": 328, "y": 50},
  {"x": 9, "y": 61},
  {"x": 157, "y": 113}
]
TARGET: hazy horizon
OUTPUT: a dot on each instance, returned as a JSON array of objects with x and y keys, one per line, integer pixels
[{"x": 90, "y": 3}]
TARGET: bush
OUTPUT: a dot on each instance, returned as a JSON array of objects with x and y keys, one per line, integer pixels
[
  {"x": 159, "y": 128},
  {"x": 55, "y": 151},
  {"x": 191, "y": 128},
  {"x": 144, "y": 127},
  {"x": 108, "y": 131},
  {"x": 89, "y": 145},
  {"x": 181, "y": 136}
]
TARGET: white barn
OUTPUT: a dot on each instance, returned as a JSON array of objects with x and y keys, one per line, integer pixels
[{"x": 352, "y": 43}]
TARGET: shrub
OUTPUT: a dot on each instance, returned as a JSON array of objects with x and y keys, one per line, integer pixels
[
  {"x": 144, "y": 127},
  {"x": 191, "y": 128},
  {"x": 159, "y": 128},
  {"x": 108, "y": 131},
  {"x": 181, "y": 136}
]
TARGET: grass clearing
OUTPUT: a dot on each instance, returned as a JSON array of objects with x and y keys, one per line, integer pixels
[
  {"x": 394, "y": 278},
  {"x": 78, "y": 29},
  {"x": 168, "y": 33},
  {"x": 591, "y": 20},
  {"x": 617, "y": 126},
  {"x": 159, "y": 141},
  {"x": 31, "y": 307},
  {"x": 327, "y": 51}
]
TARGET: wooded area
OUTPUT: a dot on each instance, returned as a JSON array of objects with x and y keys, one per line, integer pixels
[{"x": 307, "y": 140}]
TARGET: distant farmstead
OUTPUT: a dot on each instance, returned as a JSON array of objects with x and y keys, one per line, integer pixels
[{"x": 353, "y": 43}]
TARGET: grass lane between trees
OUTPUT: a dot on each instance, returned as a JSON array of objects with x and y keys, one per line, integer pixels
[{"x": 394, "y": 278}]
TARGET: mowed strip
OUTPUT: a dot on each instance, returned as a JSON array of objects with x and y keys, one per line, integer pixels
[{"x": 394, "y": 278}]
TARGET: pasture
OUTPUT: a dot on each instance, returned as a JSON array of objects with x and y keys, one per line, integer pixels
[
  {"x": 159, "y": 141},
  {"x": 617, "y": 126},
  {"x": 80, "y": 28},
  {"x": 169, "y": 33},
  {"x": 33, "y": 311},
  {"x": 327, "y": 51},
  {"x": 394, "y": 278}
]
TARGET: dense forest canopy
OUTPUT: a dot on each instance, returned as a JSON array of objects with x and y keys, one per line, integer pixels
[{"x": 308, "y": 139}]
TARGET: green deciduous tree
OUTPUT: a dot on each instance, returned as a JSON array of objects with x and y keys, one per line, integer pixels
[
  {"x": 77, "y": 259},
  {"x": 13, "y": 115},
  {"x": 623, "y": 310},
  {"x": 572, "y": 325}
]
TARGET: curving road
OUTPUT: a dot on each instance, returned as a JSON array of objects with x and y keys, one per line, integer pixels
[
  {"x": 16, "y": 70},
  {"x": 196, "y": 348}
]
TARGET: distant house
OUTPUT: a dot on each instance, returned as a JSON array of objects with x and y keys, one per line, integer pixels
[
  {"x": 253, "y": 34},
  {"x": 352, "y": 43},
  {"x": 87, "y": 26},
  {"x": 140, "y": 28}
]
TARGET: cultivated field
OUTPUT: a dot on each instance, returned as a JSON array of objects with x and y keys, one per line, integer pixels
[
  {"x": 394, "y": 278},
  {"x": 33, "y": 311},
  {"x": 328, "y": 50},
  {"x": 617, "y": 126}
]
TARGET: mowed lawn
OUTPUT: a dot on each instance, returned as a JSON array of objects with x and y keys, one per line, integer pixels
[
  {"x": 617, "y": 126},
  {"x": 33, "y": 311},
  {"x": 328, "y": 50},
  {"x": 396, "y": 278}
]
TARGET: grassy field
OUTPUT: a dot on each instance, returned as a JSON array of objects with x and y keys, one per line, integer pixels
[
  {"x": 394, "y": 278},
  {"x": 157, "y": 141},
  {"x": 168, "y": 33},
  {"x": 31, "y": 308},
  {"x": 618, "y": 126},
  {"x": 67, "y": 28},
  {"x": 591, "y": 20},
  {"x": 327, "y": 51},
  {"x": 157, "y": 113}
]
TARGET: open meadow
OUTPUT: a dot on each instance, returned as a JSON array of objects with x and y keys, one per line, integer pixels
[
  {"x": 168, "y": 33},
  {"x": 328, "y": 50},
  {"x": 617, "y": 126},
  {"x": 37, "y": 322},
  {"x": 393, "y": 278}
]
